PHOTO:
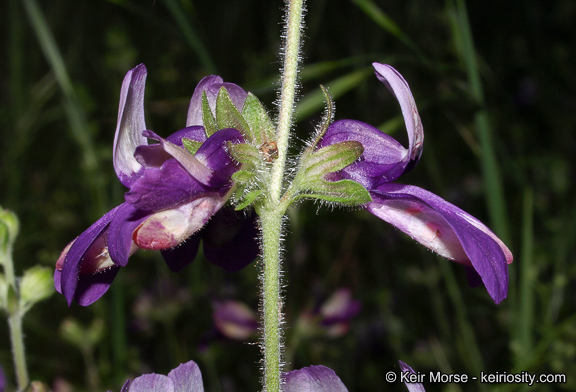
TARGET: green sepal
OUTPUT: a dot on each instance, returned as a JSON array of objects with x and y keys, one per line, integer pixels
[
  {"x": 3, "y": 292},
  {"x": 248, "y": 199},
  {"x": 330, "y": 159},
  {"x": 255, "y": 115},
  {"x": 210, "y": 126},
  {"x": 191, "y": 145},
  {"x": 37, "y": 284},
  {"x": 244, "y": 153},
  {"x": 243, "y": 177},
  {"x": 228, "y": 116},
  {"x": 345, "y": 192},
  {"x": 9, "y": 227}
]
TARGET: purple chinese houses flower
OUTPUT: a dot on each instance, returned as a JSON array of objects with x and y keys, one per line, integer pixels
[
  {"x": 185, "y": 378},
  {"x": 313, "y": 379},
  {"x": 172, "y": 193},
  {"x": 427, "y": 218}
]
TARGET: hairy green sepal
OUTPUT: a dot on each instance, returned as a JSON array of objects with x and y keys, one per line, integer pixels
[
  {"x": 260, "y": 124},
  {"x": 314, "y": 166}
]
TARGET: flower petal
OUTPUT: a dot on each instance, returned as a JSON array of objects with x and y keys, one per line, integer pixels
[
  {"x": 399, "y": 87},
  {"x": 412, "y": 387},
  {"x": 382, "y": 159},
  {"x": 179, "y": 257},
  {"x": 164, "y": 187},
  {"x": 211, "y": 85},
  {"x": 130, "y": 125},
  {"x": 120, "y": 244},
  {"x": 152, "y": 383},
  {"x": 76, "y": 253},
  {"x": 169, "y": 228},
  {"x": 230, "y": 240},
  {"x": 313, "y": 379},
  {"x": 447, "y": 230},
  {"x": 187, "y": 378},
  {"x": 91, "y": 287}
]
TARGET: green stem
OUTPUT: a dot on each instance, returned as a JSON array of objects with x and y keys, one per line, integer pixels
[
  {"x": 17, "y": 339},
  {"x": 294, "y": 25},
  {"x": 272, "y": 301},
  {"x": 272, "y": 213}
]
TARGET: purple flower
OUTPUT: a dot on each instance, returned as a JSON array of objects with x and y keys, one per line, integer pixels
[
  {"x": 172, "y": 194},
  {"x": 313, "y": 379},
  {"x": 185, "y": 378},
  {"x": 412, "y": 386},
  {"x": 427, "y": 218}
]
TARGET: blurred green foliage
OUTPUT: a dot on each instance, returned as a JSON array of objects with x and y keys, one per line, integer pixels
[{"x": 60, "y": 78}]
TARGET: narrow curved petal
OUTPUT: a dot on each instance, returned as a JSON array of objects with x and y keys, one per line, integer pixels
[
  {"x": 179, "y": 257},
  {"x": 211, "y": 85},
  {"x": 212, "y": 165},
  {"x": 187, "y": 160},
  {"x": 447, "y": 230},
  {"x": 313, "y": 379},
  {"x": 230, "y": 240},
  {"x": 187, "y": 378},
  {"x": 399, "y": 87},
  {"x": 130, "y": 125},
  {"x": 75, "y": 254},
  {"x": 167, "y": 229},
  {"x": 383, "y": 156},
  {"x": 412, "y": 387}
]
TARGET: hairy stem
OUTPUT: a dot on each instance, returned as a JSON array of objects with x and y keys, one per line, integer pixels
[
  {"x": 271, "y": 305},
  {"x": 273, "y": 210},
  {"x": 294, "y": 24}
]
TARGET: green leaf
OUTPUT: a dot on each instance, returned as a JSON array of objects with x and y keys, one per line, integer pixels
[
  {"x": 346, "y": 192},
  {"x": 191, "y": 145},
  {"x": 249, "y": 199},
  {"x": 208, "y": 119},
  {"x": 228, "y": 116},
  {"x": 257, "y": 118}
]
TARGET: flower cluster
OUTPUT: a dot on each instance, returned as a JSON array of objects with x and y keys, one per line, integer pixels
[{"x": 174, "y": 187}]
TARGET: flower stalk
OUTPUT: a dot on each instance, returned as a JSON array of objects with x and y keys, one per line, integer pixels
[{"x": 273, "y": 211}]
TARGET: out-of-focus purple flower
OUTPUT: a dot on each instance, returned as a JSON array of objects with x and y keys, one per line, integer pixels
[
  {"x": 172, "y": 195},
  {"x": 2, "y": 380},
  {"x": 427, "y": 218},
  {"x": 332, "y": 317},
  {"x": 412, "y": 387},
  {"x": 313, "y": 379},
  {"x": 185, "y": 378},
  {"x": 234, "y": 319}
]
